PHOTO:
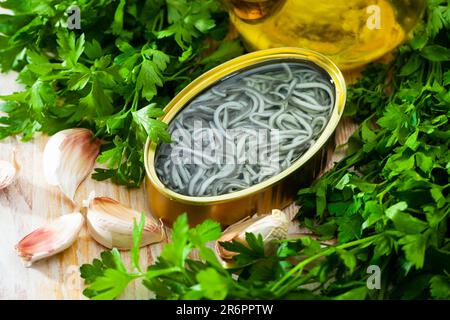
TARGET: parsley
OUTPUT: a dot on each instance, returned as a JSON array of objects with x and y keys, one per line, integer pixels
[
  {"x": 394, "y": 182},
  {"x": 387, "y": 203},
  {"x": 174, "y": 275},
  {"x": 112, "y": 76}
]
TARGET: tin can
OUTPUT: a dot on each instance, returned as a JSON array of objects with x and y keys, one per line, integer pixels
[{"x": 276, "y": 192}]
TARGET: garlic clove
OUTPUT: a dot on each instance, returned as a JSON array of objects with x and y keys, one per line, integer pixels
[
  {"x": 51, "y": 239},
  {"x": 8, "y": 171},
  {"x": 270, "y": 226},
  {"x": 7, "y": 174},
  {"x": 69, "y": 157},
  {"x": 110, "y": 223}
]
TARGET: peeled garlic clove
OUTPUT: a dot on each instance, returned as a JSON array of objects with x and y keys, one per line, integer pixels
[
  {"x": 49, "y": 240},
  {"x": 270, "y": 226},
  {"x": 69, "y": 157},
  {"x": 111, "y": 224},
  {"x": 7, "y": 174}
]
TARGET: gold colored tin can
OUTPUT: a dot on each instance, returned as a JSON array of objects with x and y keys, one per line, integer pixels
[{"x": 275, "y": 192}]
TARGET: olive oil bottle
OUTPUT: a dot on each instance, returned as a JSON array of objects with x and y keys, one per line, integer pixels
[{"x": 351, "y": 32}]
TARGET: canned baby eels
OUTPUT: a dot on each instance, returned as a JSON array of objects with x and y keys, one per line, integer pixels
[{"x": 245, "y": 136}]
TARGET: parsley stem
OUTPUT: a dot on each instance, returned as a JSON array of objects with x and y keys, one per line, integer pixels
[
  {"x": 294, "y": 284},
  {"x": 278, "y": 289},
  {"x": 176, "y": 75}
]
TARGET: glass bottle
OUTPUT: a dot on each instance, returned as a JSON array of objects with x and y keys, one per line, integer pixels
[{"x": 351, "y": 32}]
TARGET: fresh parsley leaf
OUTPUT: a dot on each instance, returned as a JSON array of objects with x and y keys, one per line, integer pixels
[
  {"x": 110, "y": 285},
  {"x": 213, "y": 285},
  {"x": 137, "y": 235},
  {"x": 440, "y": 287},
  {"x": 178, "y": 249}
]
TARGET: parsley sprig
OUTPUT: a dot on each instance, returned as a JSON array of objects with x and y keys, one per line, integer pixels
[
  {"x": 113, "y": 75},
  {"x": 174, "y": 275}
]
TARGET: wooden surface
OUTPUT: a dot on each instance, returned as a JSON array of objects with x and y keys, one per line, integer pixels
[{"x": 29, "y": 202}]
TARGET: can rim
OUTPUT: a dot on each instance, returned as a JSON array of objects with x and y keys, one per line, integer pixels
[{"x": 224, "y": 70}]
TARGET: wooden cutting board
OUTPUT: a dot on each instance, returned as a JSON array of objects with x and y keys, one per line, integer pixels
[{"x": 30, "y": 202}]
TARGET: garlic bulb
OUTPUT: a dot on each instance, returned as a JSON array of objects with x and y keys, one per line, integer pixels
[
  {"x": 69, "y": 157},
  {"x": 270, "y": 226},
  {"x": 111, "y": 224},
  {"x": 51, "y": 239},
  {"x": 7, "y": 174}
]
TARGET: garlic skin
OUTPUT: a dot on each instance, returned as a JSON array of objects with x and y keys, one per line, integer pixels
[
  {"x": 270, "y": 226},
  {"x": 110, "y": 223},
  {"x": 69, "y": 157},
  {"x": 7, "y": 173},
  {"x": 51, "y": 239}
]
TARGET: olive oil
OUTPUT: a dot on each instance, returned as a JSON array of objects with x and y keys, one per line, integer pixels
[{"x": 351, "y": 32}]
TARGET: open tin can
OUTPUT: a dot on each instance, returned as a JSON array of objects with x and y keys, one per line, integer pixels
[{"x": 275, "y": 192}]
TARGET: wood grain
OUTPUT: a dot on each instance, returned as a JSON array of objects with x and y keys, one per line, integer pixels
[{"x": 29, "y": 202}]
